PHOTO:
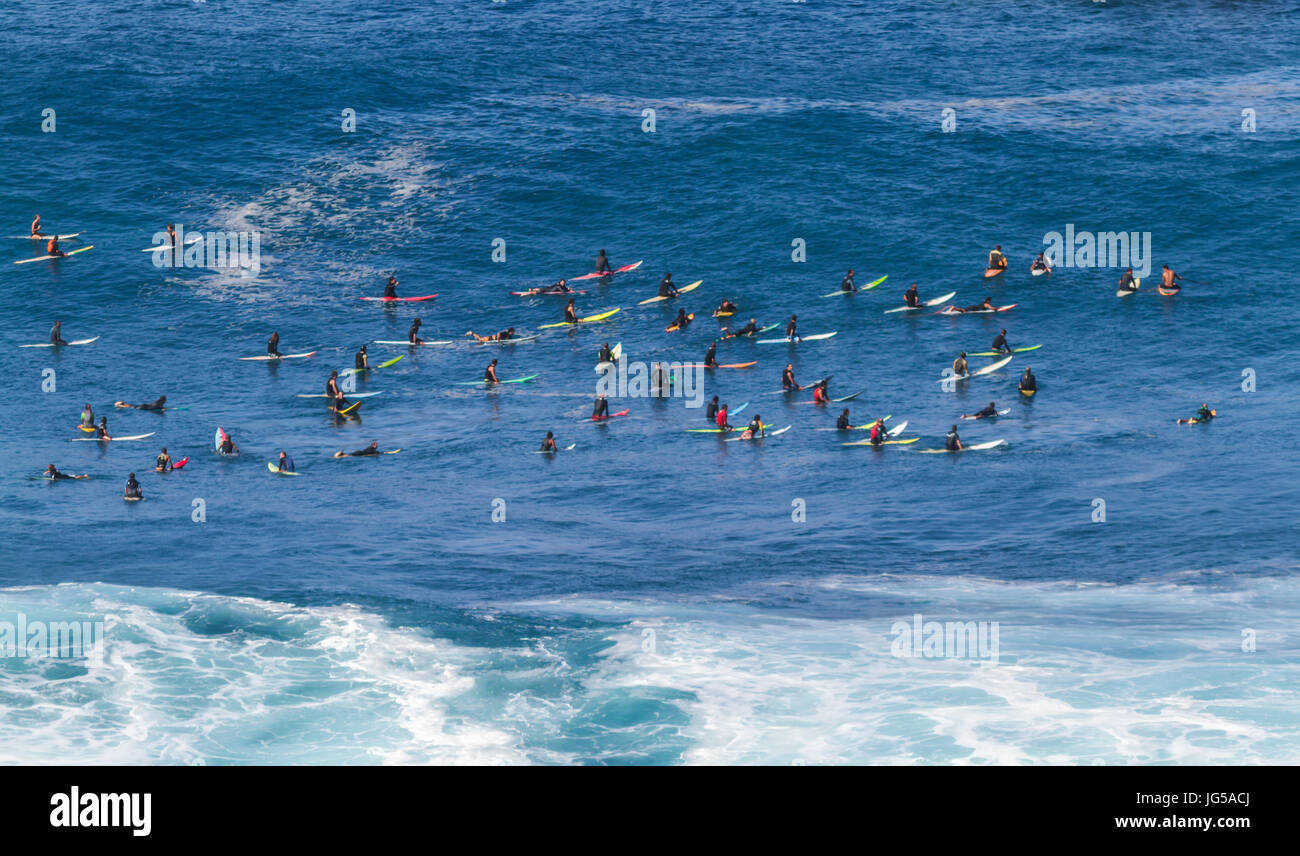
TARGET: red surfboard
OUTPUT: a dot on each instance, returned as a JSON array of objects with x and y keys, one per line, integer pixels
[
  {"x": 402, "y": 299},
  {"x": 610, "y": 416},
  {"x": 623, "y": 269}
]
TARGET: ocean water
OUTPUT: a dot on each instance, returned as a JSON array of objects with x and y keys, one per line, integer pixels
[{"x": 654, "y": 596}]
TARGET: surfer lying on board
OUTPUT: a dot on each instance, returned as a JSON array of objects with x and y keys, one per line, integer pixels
[
  {"x": 571, "y": 311},
  {"x": 228, "y": 446},
  {"x": 681, "y": 322},
  {"x": 285, "y": 463},
  {"x": 1167, "y": 277},
  {"x": 87, "y": 417},
  {"x": 52, "y": 473},
  {"x": 997, "y": 261},
  {"x": 548, "y": 445},
  {"x": 1205, "y": 414},
  {"x": 1040, "y": 263},
  {"x": 878, "y": 432},
  {"x": 959, "y": 366},
  {"x": 952, "y": 442},
  {"x": 601, "y": 409},
  {"x": 666, "y": 287},
  {"x": 273, "y": 345},
  {"x": 1000, "y": 342},
  {"x": 846, "y": 284},
  {"x": 490, "y": 373},
  {"x": 390, "y": 290},
  {"x": 56, "y": 334},
  {"x": 711, "y": 356},
  {"x": 986, "y": 306},
  {"x": 820, "y": 395},
  {"x": 756, "y": 428},
  {"x": 602, "y": 264},
  {"x": 1027, "y": 380},
  {"x": 726, "y": 306},
  {"x": 561, "y": 287},
  {"x": 153, "y": 405},
  {"x": 911, "y": 298},
  {"x": 101, "y": 430},
  {"x": 372, "y": 449},
  {"x": 132, "y": 489},
  {"x": 413, "y": 334},
  {"x": 163, "y": 462},
  {"x": 991, "y": 410},
  {"x": 495, "y": 337},
  {"x": 1126, "y": 282},
  {"x": 748, "y": 330}
]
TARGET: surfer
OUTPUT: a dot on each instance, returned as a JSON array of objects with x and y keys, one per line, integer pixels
[
  {"x": 681, "y": 321},
  {"x": 1040, "y": 264},
  {"x": 666, "y": 287},
  {"x": 820, "y": 395},
  {"x": 36, "y": 233},
  {"x": 601, "y": 409},
  {"x": 503, "y": 336},
  {"x": 132, "y": 489},
  {"x": 748, "y": 330},
  {"x": 413, "y": 334},
  {"x": 952, "y": 442},
  {"x": 56, "y": 334},
  {"x": 561, "y": 287},
  {"x": 721, "y": 419},
  {"x": 372, "y": 449},
  {"x": 1126, "y": 281},
  {"x": 548, "y": 445},
  {"x": 659, "y": 381},
  {"x": 285, "y": 463},
  {"x": 273, "y": 346},
  {"x": 711, "y": 410},
  {"x": 959, "y": 366},
  {"x": 1204, "y": 414},
  {"x": 228, "y": 446},
  {"x": 997, "y": 261},
  {"x": 787, "y": 379},
  {"x": 361, "y": 362},
  {"x": 1000, "y": 342},
  {"x": 87, "y": 417},
  {"x": 332, "y": 391},
  {"x": 1028, "y": 383},
  {"x": 846, "y": 284},
  {"x": 571, "y": 311},
  {"x": 790, "y": 328},
  {"x": 606, "y": 354},
  {"x": 602, "y": 264},
  {"x": 1167, "y": 279},
  {"x": 390, "y": 290},
  {"x": 52, "y": 247},
  {"x": 490, "y": 373},
  {"x": 843, "y": 422},
  {"x": 711, "y": 356},
  {"x": 878, "y": 432},
  {"x": 756, "y": 428},
  {"x": 163, "y": 462},
  {"x": 991, "y": 410},
  {"x": 911, "y": 298},
  {"x": 726, "y": 307},
  {"x": 101, "y": 430},
  {"x": 986, "y": 306},
  {"x": 52, "y": 473},
  {"x": 152, "y": 405}
]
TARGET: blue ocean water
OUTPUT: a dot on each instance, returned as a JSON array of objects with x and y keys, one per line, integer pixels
[{"x": 648, "y": 597}]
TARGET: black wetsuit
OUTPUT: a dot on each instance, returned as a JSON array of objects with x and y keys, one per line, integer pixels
[
  {"x": 1126, "y": 281},
  {"x": 273, "y": 347},
  {"x": 787, "y": 380},
  {"x": 164, "y": 462},
  {"x": 911, "y": 298},
  {"x": 666, "y": 288},
  {"x": 601, "y": 409},
  {"x": 390, "y": 290},
  {"x": 413, "y": 333},
  {"x": 606, "y": 355},
  {"x": 846, "y": 284},
  {"x": 132, "y": 488},
  {"x": 602, "y": 264},
  {"x": 286, "y": 465},
  {"x": 1028, "y": 381},
  {"x": 950, "y": 441},
  {"x": 101, "y": 431},
  {"x": 711, "y": 411},
  {"x": 153, "y": 405},
  {"x": 359, "y": 362},
  {"x": 487, "y": 376},
  {"x": 504, "y": 335},
  {"x": 789, "y": 330},
  {"x": 711, "y": 355},
  {"x": 1000, "y": 343},
  {"x": 748, "y": 330},
  {"x": 227, "y": 446},
  {"x": 56, "y": 338},
  {"x": 843, "y": 422},
  {"x": 570, "y": 315},
  {"x": 987, "y": 412},
  {"x": 364, "y": 452}
]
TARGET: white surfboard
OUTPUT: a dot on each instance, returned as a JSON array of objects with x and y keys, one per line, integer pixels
[
  {"x": 111, "y": 439},
  {"x": 992, "y": 444},
  {"x": 51, "y": 345},
  {"x": 935, "y": 302},
  {"x": 265, "y": 357},
  {"x": 797, "y": 339}
]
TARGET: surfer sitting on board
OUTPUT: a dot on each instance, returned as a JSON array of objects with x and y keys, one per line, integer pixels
[
  {"x": 878, "y": 432},
  {"x": 666, "y": 287},
  {"x": 843, "y": 423},
  {"x": 285, "y": 463},
  {"x": 1040, "y": 263},
  {"x": 390, "y": 290},
  {"x": 959, "y": 366},
  {"x": 755, "y": 429},
  {"x": 1205, "y": 414},
  {"x": 952, "y": 442},
  {"x": 153, "y": 405},
  {"x": 332, "y": 391},
  {"x": 101, "y": 430},
  {"x": 413, "y": 334},
  {"x": 87, "y": 417},
  {"x": 602, "y": 264},
  {"x": 711, "y": 410},
  {"x": 372, "y": 449},
  {"x": 846, "y": 284},
  {"x": 548, "y": 445},
  {"x": 711, "y": 356},
  {"x": 997, "y": 261},
  {"x": 790, "y": 327},
  {"x": 986, "y": 306},
  {"x": 911, "y": 298},
  {"x": 601, "y": 408},
  {"x": 721, "y": 419},
  {"x": 163, "y": 462},
  {"x": 1000, "y": 342},
  {"x": 1126, "y": 282},
  {"x": 606, "y": 354},
  {"x": 820, "y": 395},
  {"x": 56, "y": 334},
  {"x": 1167, "y": 277},
  {"x": 787, "y": 379},
  {"x": 273, "y": 345},
  {"x": 495, "y": 337},
  {"x": 991, "y": 410},
  {"x": 490, "y": 373},
  {"x": 1027, "y": 381},
  {"x": 571, "y": 311},
  {"x": 52, "y": 247},
  {"x": 36, "y": 233},
  {"x": 132, "y": 490}
]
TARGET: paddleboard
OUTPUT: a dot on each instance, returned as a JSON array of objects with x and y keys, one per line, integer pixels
[
  {"x": 798, "y": 339},
  {"x": 589, "y": 319},
  {"x": 51, "y": 345},
  {"x": 345, "y": 395},
  {"x": 999, "y": 413},
  {"x": 671, "y": 327},
  {"x": 623, "y": 269},
  {"x": 682, "y": 290},
  {"x": 268, "y": 357},
  {"x": 402, "y": 299},
  {"x": 498, "y": 383},
  {"x": 866, "y": 287},
  {"x": 44, "y": 258},
  {"x": 114, "y": 439},
  {"x": 744, "y": 431},
  {"x": 568, "y": 448},
  {"x": 46, "y": 237},
  {"x": 1001, "y": 353},
  {"x": 992, "y": 444},
  {"x": 270, "y": 465},
  {"x": 935, "y": 302}
]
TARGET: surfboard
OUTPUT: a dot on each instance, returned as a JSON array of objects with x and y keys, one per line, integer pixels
[
  {"x": 270, "y": 465},
  {"x": 744, "y": 431},
  {"x": 546, "y": 293},
  {"x": 991, "y": 367},
  {"x": 345, "y": 395},
  {"x": 44, "y": 258},
  {"x": 682, "y": 290},
  {"x": 866, "y": 287},
  {"x": 1028, "y": 393},
  {"x": 989, "y": 273},
  {"x": 568, "y": 448},
  {"x": 410, "y": 344},
  {"x": 190, "y": 241},
  {"x": 953, "y": 310},
  {"x": 999, "y": 413},
  {"x": 1167, "y": 292},
  {"x": 513, "y": 341},
  {"x": 52, "y": 345},
  {"x": 351, "y": 407},
  {"x": 1125, "y": 292},
  {"x": 1001, "y": 353},
  {"x": 589, "y": 319},
  {"x": 623, "y": 269},
  {"x": 1036, "y": 272},
  {"x": 113, "y": 439},
  {"x": 268, "y": 357},
  {"x": 402, "y": 299},
  {"x": 906, "y": 442},
  {"x": 727, "y": 366},
  {"x": 219, "y": 439},
  {"x": 46, "y": 237},
  {"x": 676, "y": 324},
  {"x": 992, "y": 444},
  {"x": 606, "y": 418},
  {"x": 935, "y": 302},
  {"x": 797, "y": 339},
  {"x": 523, "y": 379}
]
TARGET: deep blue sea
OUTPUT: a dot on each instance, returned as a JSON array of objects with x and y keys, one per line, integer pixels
[{"x": 653, "y": 596}]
